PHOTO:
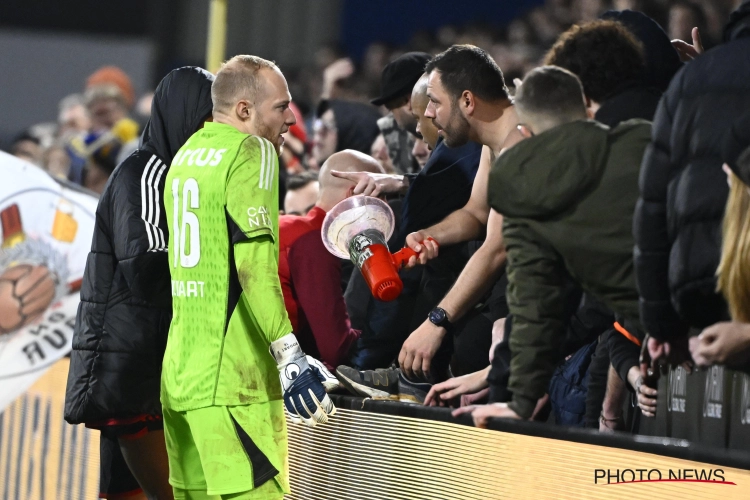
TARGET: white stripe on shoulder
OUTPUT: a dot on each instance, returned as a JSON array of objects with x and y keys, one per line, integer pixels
[
  {"x": 272, "y": 160},
  {"x": 151, "y": 191},
  {"x": 145, "y": 192},
  {"x": 262, "y": 161},
  {"x": 161, "y": 243}
]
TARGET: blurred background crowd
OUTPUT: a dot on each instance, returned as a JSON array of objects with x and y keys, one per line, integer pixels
[{"x": 98, "y": 125}]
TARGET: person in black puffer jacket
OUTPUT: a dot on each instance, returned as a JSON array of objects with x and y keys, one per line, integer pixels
[
  {"x": 126, "y": 303},
  {"x": 677, "y": 222}
]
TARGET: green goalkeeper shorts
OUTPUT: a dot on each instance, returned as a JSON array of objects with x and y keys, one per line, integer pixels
[{"x": 222, "y": 450}]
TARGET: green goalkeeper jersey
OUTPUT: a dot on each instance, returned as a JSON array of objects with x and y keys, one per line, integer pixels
[{"x": 221, "y": 198}]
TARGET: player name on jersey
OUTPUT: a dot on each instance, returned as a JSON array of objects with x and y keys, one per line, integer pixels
[{"x": 187, "y": 288}]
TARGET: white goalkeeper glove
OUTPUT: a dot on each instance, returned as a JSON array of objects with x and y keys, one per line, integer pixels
[{"x": 304, "y": 383}]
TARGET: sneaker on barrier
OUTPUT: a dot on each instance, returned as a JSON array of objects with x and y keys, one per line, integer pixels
[{"x": 382, "y": 384}]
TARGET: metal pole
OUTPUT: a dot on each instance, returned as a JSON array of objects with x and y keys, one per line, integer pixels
[{"x": 217, "y": 35}]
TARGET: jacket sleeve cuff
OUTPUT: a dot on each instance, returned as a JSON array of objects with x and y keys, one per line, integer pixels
[{"x": 523, "y": 406}]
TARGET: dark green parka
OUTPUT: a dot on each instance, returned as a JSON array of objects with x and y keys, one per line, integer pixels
[{"x": 567, "y": 197}]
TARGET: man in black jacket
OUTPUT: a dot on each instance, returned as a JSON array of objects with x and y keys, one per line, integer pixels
[
  {"x": 126, "y": 304},
  {"x": 683, "y": 192}
]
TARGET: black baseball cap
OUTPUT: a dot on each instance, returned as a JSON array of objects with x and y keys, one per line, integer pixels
[{"x": 400, "y": 75}]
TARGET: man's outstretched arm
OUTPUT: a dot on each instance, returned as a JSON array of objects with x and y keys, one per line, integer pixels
[
  {"x": 466, "y": 223},
  {"x": 477, "y": 277}
]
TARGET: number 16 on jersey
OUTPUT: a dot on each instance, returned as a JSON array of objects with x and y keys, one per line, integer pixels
[{"x": 187, "y": 243}]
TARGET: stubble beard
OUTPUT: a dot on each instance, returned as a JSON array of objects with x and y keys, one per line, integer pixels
[
  {"x": 266, "y": 132},
  {"x": 456, "y": 132}
]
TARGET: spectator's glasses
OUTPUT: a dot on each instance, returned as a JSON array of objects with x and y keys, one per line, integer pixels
[{"x": 322, "y": 127}]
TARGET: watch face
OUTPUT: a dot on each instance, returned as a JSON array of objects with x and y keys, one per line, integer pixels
[{"x": 437, "y": 316}]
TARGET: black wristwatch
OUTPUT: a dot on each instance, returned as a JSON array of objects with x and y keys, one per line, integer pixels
[{"x": 439, "y": 317}]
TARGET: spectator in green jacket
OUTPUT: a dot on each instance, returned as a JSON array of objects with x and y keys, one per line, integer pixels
[{"x": 567, "y": 194}]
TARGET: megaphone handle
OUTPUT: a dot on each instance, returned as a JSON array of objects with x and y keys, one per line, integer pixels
[{"x": 401, "y": 257}]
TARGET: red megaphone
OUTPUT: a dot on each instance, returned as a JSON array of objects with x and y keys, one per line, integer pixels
[
  {"x": 369, "y": 252},
  {"x": 357, "y": 229}
]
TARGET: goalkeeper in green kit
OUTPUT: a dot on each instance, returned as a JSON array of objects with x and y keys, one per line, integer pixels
[{"x": 223, "y": 404}]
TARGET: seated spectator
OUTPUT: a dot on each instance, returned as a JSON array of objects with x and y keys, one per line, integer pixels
[
  {"x": 589, "y": 238},
  {"x": 310, "y": 275},
  {"x": 301, "y": 193},
  {"x": 397, "y": 81},
  {"x": 343, "y": 125}
]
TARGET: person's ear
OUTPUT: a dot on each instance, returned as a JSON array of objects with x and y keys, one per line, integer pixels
[
  {"x": 728, "y": 171},
  {"x": 590, "y": 113},
  {"x": 467, "y": 102},
  {"x": 525, "y": 131},
  {"x": 243, "y": 109},
  {"x": 350, "y": 191}
]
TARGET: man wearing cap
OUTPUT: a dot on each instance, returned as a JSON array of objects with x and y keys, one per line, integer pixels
[{"x": 397, "y": 82}]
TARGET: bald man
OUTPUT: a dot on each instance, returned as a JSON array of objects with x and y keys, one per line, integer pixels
[
  {"x": 310, "y": 275},
  {"x": 419, "y": 101},
  {"x": 222, "y": 402}
]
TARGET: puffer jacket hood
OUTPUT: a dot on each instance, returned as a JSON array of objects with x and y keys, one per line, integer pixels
[
  {"x": 548, "y": 173},
  {"x": 182, "y": 101}
]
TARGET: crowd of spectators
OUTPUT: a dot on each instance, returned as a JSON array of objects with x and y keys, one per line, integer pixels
[
  {"x": 516, "y": 171},
  {"x": 108, "y": 97},
  {"x": 94, "y": 131}
]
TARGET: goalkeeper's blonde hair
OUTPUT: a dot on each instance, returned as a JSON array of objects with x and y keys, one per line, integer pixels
[
  {"x": 734, "y": 269},
  {"x": 238, "y": 79}
]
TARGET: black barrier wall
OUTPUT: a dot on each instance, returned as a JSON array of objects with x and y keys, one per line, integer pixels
[{"x": 710, "y": 407}]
